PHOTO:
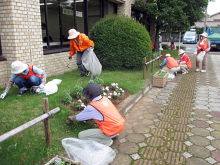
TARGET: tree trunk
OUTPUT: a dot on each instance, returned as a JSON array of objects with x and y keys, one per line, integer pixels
[{"x": 156, "y": 44}]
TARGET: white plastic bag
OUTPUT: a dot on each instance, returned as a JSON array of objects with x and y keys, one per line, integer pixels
[
  {"x": 171, "y": 76},
  {"x": 88, "y": 152},
  {"x": 51, "y": 87},
  {"x": 91, "y": 63},
  {"x": 200, "y": 56}
]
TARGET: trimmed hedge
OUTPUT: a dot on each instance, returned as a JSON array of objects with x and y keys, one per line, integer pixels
[{"x": 120, "y": 42}]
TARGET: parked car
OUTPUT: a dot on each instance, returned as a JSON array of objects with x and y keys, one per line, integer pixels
[{"x": 190, "y": 37}]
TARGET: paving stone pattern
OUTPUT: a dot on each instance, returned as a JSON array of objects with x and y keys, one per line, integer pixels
[{"x": 177, "y": 124}]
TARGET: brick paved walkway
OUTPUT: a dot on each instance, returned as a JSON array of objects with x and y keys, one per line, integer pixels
[{"x": 177, "y": 124}]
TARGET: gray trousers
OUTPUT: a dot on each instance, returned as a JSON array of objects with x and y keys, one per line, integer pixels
[
  {"x": 79, "y": 61},
  {"x": 172, "y": 70},
  {"x": 95, "y": 135},
  {"x": 203, "y": 63},
  {"x": 184, "y": 67}
]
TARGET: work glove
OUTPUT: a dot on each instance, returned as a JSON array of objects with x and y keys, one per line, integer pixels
[
  {"x": 41, "y": 86},
  {"x": 3, "y": 95},
  {"x": 70, "y": 57}
]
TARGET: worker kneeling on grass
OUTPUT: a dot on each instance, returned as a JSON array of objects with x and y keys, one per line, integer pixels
[
  {"x": 25, "y": 76},
  {"x": 103, "y": 112}
]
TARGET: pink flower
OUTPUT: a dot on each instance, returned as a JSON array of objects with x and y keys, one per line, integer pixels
[
  {"x": 115, "y": 93},
  {"x": 109, "y": 97},
  {"x": 79, "y": 100}
]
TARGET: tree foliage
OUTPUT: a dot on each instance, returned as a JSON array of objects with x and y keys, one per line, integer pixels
[{"x": 172, "y": 15}]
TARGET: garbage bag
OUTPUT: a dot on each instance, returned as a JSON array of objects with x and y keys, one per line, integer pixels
[
  {"x": 171, "y": 76},
  {"x": 91, "y": 63},
  {"x": 88, "y": 152},
  {"x": 51, "y": 87},
  {"x": 200, "y": 56}
]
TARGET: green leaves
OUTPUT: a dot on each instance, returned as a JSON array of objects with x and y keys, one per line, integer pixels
[{"x": 120, "y": 42}]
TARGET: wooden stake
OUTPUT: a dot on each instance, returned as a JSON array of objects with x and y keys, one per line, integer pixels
[
  {"x": 144, "y": 73},
  {"x": 47, "y": 123},
  {"x": 153, "y": 56},
  {"x": 159, "y": 60}
]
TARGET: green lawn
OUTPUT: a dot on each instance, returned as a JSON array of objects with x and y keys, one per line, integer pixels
[{"x": 28, "y": 147}]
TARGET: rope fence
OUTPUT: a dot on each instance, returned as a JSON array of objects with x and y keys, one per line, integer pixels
[{"x": 149, "y": 62}]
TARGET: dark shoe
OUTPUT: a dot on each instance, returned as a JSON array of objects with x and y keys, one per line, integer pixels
[
  {"x": 36, "y": 93},
  {"x": 81, "y": 75},
  {"x": 87, "y": 73},
  {"x": 22, "y": 92},
  {"x": 175, "y": 73}
]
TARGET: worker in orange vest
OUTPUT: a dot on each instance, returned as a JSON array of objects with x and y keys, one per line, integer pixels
[
  {"x": 172, "y": 46},
  {"x": 184, "y": 62},
  {"x": 82, "y": 44},
  {"x": 103, "y": 112},
  {"x": 172, "y": 65},
  {"x": 25, "y": 76},
  {"x": 204, "y": 45}
]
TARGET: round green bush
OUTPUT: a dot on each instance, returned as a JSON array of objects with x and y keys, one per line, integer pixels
[{"x": 120, "y": 42}]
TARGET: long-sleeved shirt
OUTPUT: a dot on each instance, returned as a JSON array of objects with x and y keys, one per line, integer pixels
[
  {"x": 35, "y": 70},
  {"x": 164, "y": 62}
]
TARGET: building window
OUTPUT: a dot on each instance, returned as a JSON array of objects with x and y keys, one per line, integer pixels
[
  {"x": 58, "y": 16},
  {"x": 1, "y": 57}
]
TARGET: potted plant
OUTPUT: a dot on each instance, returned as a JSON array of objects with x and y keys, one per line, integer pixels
[
  {"x": 63, "y": 160},
  {"x": 160, "y": 79},
  {"x": 165, "y": 46}
]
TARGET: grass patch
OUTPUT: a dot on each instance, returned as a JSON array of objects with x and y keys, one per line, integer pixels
[{"x": 28, "y": 147}]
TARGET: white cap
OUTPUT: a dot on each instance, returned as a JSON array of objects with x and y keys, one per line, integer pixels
[
  {"x": 204, "y": 34},
  {"x": 18, "y": 67},
  {"x": 181, "y": 51},
  {"x": 167, "y": 55},
  {"x": 73, "y": 33}
]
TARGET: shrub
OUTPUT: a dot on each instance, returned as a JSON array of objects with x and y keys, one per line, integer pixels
[
  {"x": 164, "y": 45},
  {"x": 67, "y": 98},
  {"x": 120, "y": 42},
  {"x": 77, "y": 90}
]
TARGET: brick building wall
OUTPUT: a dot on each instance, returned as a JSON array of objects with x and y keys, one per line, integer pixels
[
  {"x": 125, "y": 8},
  {"x": 21, "y": 38}
]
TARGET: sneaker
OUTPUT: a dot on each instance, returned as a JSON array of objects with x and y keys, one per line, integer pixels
[
  {"x": 87, "y": 73},
  {"x": 197, "y": 70},
  {"x": 203, "y": 71},
  {"x": 184, "y": 73},
  {"x": 81, "y": 75},
  {"x": 22, "y": 92}
]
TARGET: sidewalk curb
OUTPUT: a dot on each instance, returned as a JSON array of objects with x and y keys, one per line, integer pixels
[{"x": 132, "y": 101}]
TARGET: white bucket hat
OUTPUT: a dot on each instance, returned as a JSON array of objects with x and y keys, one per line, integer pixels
[
  {"x": 204, "y": 34},
  {"x": 181, "y": 51},
  {"x": 73, "y": 33},
  {"x": 18, "y": 67},
  {"x": 167, "y": 55}
]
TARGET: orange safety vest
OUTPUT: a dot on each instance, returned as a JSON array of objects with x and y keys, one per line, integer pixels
[
  {"x": 171, "y": 62},
  {"x": 113, "y": 122},
  {"x": 188, "y": 63},
  {"x": 204, "y": 46},
  {"x": 30, "y": 73},
  {"x": 83, "y": 43},
  {"x": 172, "y": 46}
]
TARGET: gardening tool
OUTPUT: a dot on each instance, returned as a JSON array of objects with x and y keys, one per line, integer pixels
[{"x": 68, "y": 64}]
